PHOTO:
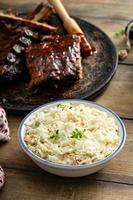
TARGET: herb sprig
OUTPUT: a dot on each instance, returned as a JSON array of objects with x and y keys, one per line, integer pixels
[
  {"x": 77, "y": 134},
  {"x": 61, "y": 106},
  {"x": 55, "y": 136},
  {"x": 37, "y": 124}
]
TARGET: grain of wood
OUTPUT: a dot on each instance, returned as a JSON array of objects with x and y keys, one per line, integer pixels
[
  {"x": 111, "y": 28},
  {"x": 12, "y": 156},
  {"x": 26, "y": 181},
  {"x": 36, "y": 186},
  {"x": 104, "y": 9},
  {"x": 119, "y": 93}
]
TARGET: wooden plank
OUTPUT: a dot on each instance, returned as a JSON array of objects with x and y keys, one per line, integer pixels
[
  {"x": 111, "y": 9},
  {"x": 25, "y": 180},
  {"x": 129, "y": 60},
  {"x": 119, "y": 94},
  {"x": 119, "y": 169},
  {"x": 111, "y": 28},
  {"x": 38, "y": 186}
]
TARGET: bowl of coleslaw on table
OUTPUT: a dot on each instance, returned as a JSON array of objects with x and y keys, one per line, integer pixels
[{"x": 72, "y": 137}]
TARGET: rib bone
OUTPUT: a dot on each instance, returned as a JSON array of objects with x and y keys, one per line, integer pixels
[
  {"x": 28, "y": 22},
  {"x": 68, "y": 22},
  {"x": 41, "y": 12}
]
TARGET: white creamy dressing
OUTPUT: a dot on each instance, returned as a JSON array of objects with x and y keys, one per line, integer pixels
[{"x": 72, "y": 134}]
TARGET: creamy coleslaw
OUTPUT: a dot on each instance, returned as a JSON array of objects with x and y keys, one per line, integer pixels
[{"x": 71, "y": 134}]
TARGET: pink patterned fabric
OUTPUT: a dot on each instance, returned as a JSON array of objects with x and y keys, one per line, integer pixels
[
  {"x": 4, "y": 129},
  {"x": 2, "y": 177},
  {"x": 4, "y": 136}
]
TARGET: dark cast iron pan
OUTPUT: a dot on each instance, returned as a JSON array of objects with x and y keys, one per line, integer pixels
[{"x": 98, "y": 71}]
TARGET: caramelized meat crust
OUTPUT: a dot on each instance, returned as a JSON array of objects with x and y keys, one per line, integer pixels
[
  {"x": 56, "y": 59},
  {"x": 15, "y": 37},
  {"x": 13, "y": 42}
]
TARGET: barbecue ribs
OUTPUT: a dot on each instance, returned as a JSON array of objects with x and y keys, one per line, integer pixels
[
  {"x": 15, "y": 36},
  {"x": 56, "y": 59}
]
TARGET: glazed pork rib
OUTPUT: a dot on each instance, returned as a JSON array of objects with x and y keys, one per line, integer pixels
[
  {"x": 12, "y": 45},
  {"x": 72, "y": 27},
  {"x": 15, "y": 38},
  {"x": 41, "y": 13},
  {"x": 56, "y": 59},
  {"x": 43, "y": 27}
]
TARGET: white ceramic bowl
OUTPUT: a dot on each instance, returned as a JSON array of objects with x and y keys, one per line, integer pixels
[{"x": 72, "y": 170}]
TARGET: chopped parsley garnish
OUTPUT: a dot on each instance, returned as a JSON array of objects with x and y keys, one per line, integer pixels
[
  {"x": 77, "y": 134},
  {"x": 55, "y": 135},
  {"x": 61, "y": 106},
  {"x": 37, "y": 124}
]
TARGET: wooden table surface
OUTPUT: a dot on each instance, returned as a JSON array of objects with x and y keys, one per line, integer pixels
[{"x": 24, "y": 180}]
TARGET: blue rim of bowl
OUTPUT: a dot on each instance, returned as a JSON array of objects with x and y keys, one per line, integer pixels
[{"x": 67, "y": 166}]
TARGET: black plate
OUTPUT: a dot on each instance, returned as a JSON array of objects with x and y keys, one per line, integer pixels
[{"x": 98, "y": 71}]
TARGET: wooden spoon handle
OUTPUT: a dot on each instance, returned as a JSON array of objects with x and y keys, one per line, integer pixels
[
  {"x": 72, "y": 27},
  {"x": 69, "y": 23}
]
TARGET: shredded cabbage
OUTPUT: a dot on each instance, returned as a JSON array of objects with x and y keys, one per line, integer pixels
[{"x": 71, "y": 134}]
